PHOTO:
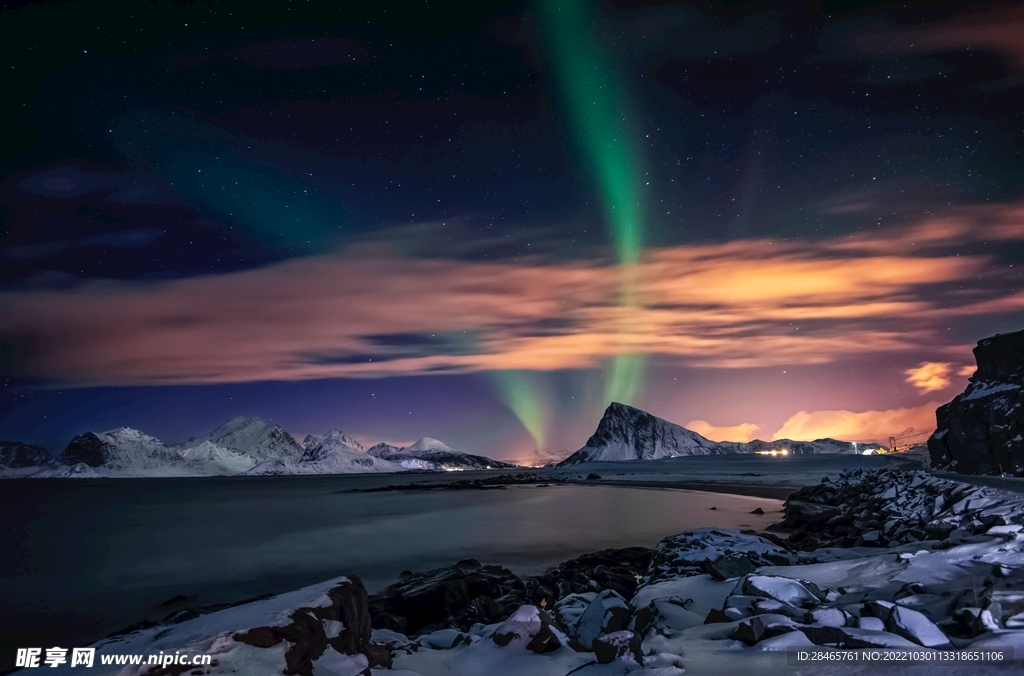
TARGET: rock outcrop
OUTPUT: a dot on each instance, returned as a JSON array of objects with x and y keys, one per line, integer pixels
[
  {"x": 342, "y": 622},
  {"x": 455, "y": 596},
  {"x": 982, "y": 430}
]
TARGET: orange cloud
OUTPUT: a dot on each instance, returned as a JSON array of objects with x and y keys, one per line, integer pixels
[
  {"x": 967, "y": 370},
  {"x": 857, "y": 426},
  {"x": 372, "y": 312},
  {"x": 930, "y": 376},
  {"x": 742, "y": 432}
]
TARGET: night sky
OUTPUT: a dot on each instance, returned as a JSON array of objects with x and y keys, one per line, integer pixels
[{"x": 482, "y": 222}]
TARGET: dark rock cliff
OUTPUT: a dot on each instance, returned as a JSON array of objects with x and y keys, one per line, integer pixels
[
  {"x": 982, "y": 429},
  {"x": 87, "y": 448}
]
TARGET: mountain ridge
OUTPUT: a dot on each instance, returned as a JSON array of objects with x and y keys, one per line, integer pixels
[
  {"x": 241, "y": 446},
  {"x": 627, "y": 433}
]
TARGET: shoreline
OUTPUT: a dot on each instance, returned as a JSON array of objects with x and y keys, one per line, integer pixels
[
  {"x": 738, "y": 489},
  {"x": 705, "y": 599}
]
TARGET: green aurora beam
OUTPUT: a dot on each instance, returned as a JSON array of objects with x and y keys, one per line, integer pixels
[
  {"x": 524, "y": 399},
  {"x": 598, "y": 114}
]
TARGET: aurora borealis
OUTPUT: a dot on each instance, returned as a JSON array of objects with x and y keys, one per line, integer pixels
[
  {"x": 599, "y": 113},
  {"x": 484, "y": 224}
]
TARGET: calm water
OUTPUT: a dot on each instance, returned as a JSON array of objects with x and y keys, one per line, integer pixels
[{"x": 83, "y": 558}]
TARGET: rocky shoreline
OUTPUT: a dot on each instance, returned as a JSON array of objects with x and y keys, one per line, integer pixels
[{"x": 873, "y": 558}]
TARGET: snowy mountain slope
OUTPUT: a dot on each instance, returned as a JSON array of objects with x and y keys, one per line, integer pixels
[
  {"x": 431, "y": 454},
  {"x": 331, "y": 453},
  {"x": 210, "y": 459},
  {"x": 274, "y": 452},
  {"x": 18, "y": 459},
  {"x": 382, "y": 450},
  {"x": 240, "y": 446},
  {"x": 122, "y": 452},
  {"x": 316, "y": 445},
  {"x": 253, "y": 437},
  {"x": 338, "y": 453},
  {"x": 628, "y": 433}
]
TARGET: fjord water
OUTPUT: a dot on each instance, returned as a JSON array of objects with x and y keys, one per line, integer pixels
[{"x": 83, "y": 558}]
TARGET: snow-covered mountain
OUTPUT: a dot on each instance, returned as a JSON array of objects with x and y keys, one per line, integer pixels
[
  {"x": 628, "y": 433},
  {"x": 382, "y": 450},
  {"x": 331, "y": 453},
  {"x": 18, "y": 459},
  {"x": 209, "y": 458},
  {"x": 252, "y": 436},
  {"x": 240, "y": 446},
  {"x": 431, "y": 454},
  {"x": 121, "y": 452}
]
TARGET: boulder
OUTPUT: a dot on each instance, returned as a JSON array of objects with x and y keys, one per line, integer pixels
[
  {"x": 750, "y": 630},
  {"x": 716, "y": 616},
  {"x": 530, "y": 626},
  {"x": 792, "y": 592},
  {"x": 568, "y": 611},
  {"x": 976, "y": 621},
  {"x": 853, "y": 637},
  {"x": 730, "y": 566},
  {"x": 871, "y": 623},
  {"x": 754, "y": 629},
  {"x": 667, "y": 616},
  {"x": 618, "y": 645},
  {"x": 606, "y": 614},
  {"x": 913, "y": 625},
  {"x": 761, "y": 606},
  {"x": 828, "y": 616}
]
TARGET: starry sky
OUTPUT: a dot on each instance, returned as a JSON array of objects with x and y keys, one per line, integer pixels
[{"x": 483, "y": 222}]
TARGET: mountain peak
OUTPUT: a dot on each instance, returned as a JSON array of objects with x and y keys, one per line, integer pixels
[
  {"x": 318, "y": 446},
  {"x": 261, "y": 440},
  {"x": 629, "y": 433},
  {"x": 429, "y": 444}
]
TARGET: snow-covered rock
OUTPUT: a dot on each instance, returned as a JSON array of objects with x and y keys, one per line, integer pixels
[
  {"x": 911, "y": 624},
  {"x": 624, "y": 645},
  {"x": 532, "y": 628},
  {"x": 693, "y": 551},
  {"x": 795, "y": 593},
  {"x": 568, "y": 610},
  {"x": 606, "y": 613}
]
